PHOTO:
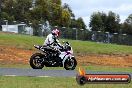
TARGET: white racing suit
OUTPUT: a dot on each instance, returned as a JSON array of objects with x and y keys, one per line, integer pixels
[{"x": 52, "y": 41}]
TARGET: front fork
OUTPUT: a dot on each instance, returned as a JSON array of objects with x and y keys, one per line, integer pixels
[{"x": 69, "y": 56}]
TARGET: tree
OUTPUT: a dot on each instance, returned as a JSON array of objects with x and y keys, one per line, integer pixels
[
  {"x": 129, "y": 19},
  {"x": 66, "y": 6},
  {"x": 7, "y": 10},
  {"x": 0, "y": 14},
  {"x": 16, "y": 9},
  {"x": 51, "y": 10},
  {"x": 72, "y": 16},
  {"x": 55, "y": 12},
  {"x": 58, "y": 2},
  {"x": 127, "y": 25},
  {"x": 42, "y": 7},
  {"x": 96, "y": 22},
  {"x": 112, "y": 24},
  {"x": 1, "y": 4},
  {"x": 65, "y": 18},
  {"x": 80, "y": 23},
  {"x": 106, "y": 23},
  {"x": 126, "y": 28},
  {"x": 81, "y": 27},
  {"x": 21, "y": 9}
]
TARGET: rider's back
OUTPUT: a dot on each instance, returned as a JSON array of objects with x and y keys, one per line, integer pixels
[{"x": 49, "y": 39}]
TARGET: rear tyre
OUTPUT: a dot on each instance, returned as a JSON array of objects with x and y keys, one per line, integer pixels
[
  {"x": 70, "y": 64},
  {"x": 36, "y": 61}
]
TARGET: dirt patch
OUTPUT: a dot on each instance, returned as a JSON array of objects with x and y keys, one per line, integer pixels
[
  {"x": 2, "y": 32},
  {"x": 12, "y": 55},
  {"x": 106, "y": 60}
]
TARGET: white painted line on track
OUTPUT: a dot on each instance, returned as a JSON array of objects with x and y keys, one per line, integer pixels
[
  {"x": 42, "y": 76},
  {"x": 9, "y": 75},
  {"x": 27, "y": 76},
  {"x": 32, "y": 76}
]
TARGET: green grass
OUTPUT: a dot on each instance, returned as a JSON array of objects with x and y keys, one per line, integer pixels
[
  {"x": 107, "y": 68},
  {"x": 52, "y": 82},
  {"x": 83, "y": 47},
  {"x": 20, "y": 41},
  {"x": 89, "y": 68},
  {"x": 100, "y": 48}
]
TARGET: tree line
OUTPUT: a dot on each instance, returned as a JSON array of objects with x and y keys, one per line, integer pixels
[
  {"x": 110, "y": 22},
  {"x": 59, "y": 15},
  {"x": 43, "y": 10}
]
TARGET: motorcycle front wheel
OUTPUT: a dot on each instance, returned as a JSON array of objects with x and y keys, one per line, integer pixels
[
  {"x": 36, "y": 61},
  {"x": 70, "y": 64}
]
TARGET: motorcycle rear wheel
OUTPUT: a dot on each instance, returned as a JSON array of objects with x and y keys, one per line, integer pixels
[{"x": 36, "y": 61}]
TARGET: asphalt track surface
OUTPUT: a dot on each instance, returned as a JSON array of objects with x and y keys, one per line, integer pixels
[{"x": 48, "y": 73}]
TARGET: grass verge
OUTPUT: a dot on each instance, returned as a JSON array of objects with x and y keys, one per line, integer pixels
[
  {"x": 89, "y": 68},
  {"x": 51, "y": 82},
  {"x": 83, "y": 47}
]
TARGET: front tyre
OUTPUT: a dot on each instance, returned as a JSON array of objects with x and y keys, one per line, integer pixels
[
  {"x": 70, "y": 64},
  {"x": 36, "y": 61}
]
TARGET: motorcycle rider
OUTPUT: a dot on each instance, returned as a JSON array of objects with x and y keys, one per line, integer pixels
[
  {"x": 52, "y": 42},
  {"x": 52, "y": 39}
]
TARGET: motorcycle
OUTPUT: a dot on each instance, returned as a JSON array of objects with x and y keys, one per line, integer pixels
[{"x": 53, "y": 58}]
